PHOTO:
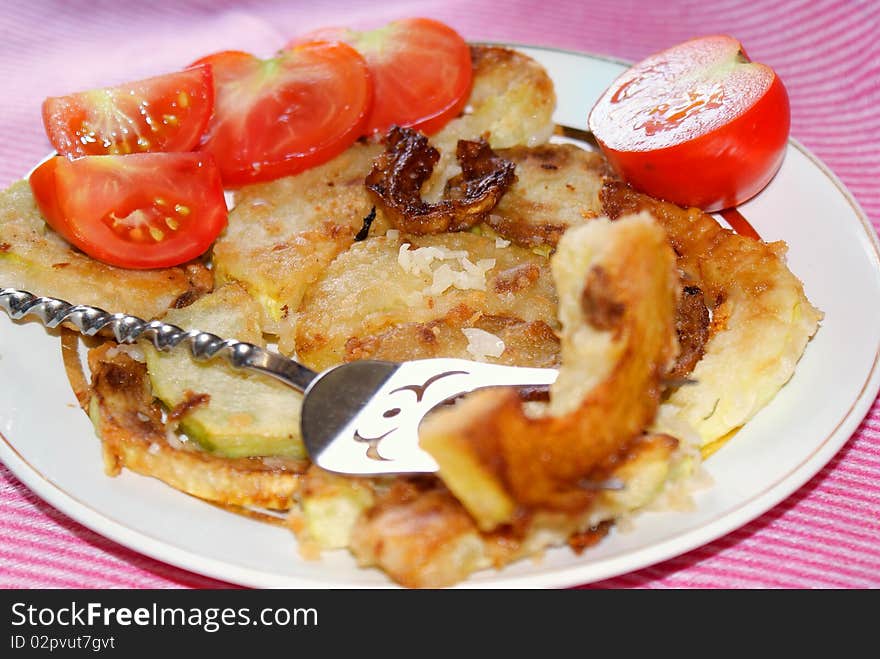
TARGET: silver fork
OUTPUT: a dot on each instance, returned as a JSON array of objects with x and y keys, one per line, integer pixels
[{"x": 359, "y": 418}]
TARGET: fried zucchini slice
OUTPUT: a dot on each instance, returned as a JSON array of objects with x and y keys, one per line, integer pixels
[
  {"x": 416, "y": 293},
  {"x": 420, "y": 535},
  {"x": 761, "y": 317},
  {"x": 617, "y": 286},
  {"x": 35, "y": 258},
  {"x": 133, "y": 435},
  {"x": 558, "y": 187},
  {"x": 329, "y": 506},
  {"x": 283, "y": 234},
  {"x": 230, "y": 412}
]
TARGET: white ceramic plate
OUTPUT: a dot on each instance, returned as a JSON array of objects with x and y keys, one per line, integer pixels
[{"x": 50, "y": 445}]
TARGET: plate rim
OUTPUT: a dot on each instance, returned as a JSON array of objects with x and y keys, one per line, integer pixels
[{"x": 627, "y": 562}]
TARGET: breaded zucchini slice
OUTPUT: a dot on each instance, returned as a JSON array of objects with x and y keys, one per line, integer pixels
[
  {"x": 398, "y": 296},
  {"x": 230, "y": 412},
  {"x": 133, "y": 435},
  {"x": 761, "y": 317}
]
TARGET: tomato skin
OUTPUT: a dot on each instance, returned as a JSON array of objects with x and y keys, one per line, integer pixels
[
  {"x": 719, "y": 167},
  {"x": 136, "y": 211},
  {"x": 421, "y": 69},
  {"x": 162, "y": 113},
  {"x": 42, "y": 182},
  {"x": 280, "y": 116}
]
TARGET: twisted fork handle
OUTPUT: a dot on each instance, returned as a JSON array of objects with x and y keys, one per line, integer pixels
[{"x": 164, "y": 336}]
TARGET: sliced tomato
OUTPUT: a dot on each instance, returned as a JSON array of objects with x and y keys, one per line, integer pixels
[
  {"x": 135, "y": 211},
  {"x": 164, "y": 113},
  {"x": 421, "y": 68},
  {"x": 698, "y": 124},
  {"x": 280, "y": 116},
  {"x": 42, "y": 182}
]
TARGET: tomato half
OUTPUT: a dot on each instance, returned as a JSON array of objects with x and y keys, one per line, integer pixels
[
  {"x": 280, "y": 116},
  {"x": 163, "y": 113},
  {"x": 421, "y": 68},
  {"x": 698, "y": 124},
  {"x": 138, "y": 211}
]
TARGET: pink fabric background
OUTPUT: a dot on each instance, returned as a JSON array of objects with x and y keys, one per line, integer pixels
[{"x": 826, "y": 535}]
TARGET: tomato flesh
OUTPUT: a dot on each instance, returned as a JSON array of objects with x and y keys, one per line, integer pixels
[
  {"x": 163, "y": 113},
  {"x": 280, "y": 116},
  {"x": 697, "y": 124},
  {"x": 134, "y": 211},
  {"x": 421, "y": 68}
]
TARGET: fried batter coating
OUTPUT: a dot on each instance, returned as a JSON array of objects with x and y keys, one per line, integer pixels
[
  {"x": 525, "y": 343},
  {"x": 133, "y": 435},
  {"x": 692, "y": 323},
  {"x": 761, "y": 318},
  {"x": 422, "y": 536},
  {"x": 367, "y": 303},
  {"x": 617, "y": 287},
  {"x": 557, "y": 188},
  {"x": 396, "y": 179},
  {"x": 283, "y": 234},
  {"x": 35, "y": 258}
]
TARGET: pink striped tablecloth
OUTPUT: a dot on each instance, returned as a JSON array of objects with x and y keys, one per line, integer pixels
[{"x": 826, "y": 535}]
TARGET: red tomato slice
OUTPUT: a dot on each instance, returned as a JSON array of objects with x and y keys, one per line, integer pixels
[
  {"x": 164, "y": 113},
  {"x": 697, "y": 124},
  {"x": 42, "y": 182},
  {"x": 138, "y": 211},
  {"x": 421, "y": 68},
  {"x": 280, "y": 116}
]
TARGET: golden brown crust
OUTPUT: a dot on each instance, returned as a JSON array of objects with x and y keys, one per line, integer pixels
[
  {"x": 283, "y": 234},
  {"x": 761, "y": 318},
  {"x": 602, "y": 306},
  {"x": 692, "y": 323},
  {"x": 539, "y": 461},
  {"x": 420, "y": 535},
  {"x": 526, "y": 343}
]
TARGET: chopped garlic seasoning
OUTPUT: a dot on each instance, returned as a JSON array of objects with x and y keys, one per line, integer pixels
[
  {"x": 454, "y": 269},
  {"x": 482, "y": 344}
]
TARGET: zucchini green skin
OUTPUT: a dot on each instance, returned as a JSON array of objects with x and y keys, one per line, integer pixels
[{"x": 228, "y": 412}]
